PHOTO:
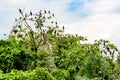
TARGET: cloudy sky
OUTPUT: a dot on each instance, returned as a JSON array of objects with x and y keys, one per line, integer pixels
[{"x": 94, "y": 19}]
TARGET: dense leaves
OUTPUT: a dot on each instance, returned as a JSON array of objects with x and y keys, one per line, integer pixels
[{"x": 36, "y": 74}]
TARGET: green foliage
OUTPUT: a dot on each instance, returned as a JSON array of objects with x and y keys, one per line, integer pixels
[
  {"x": 60, "y": 74},
  {"x": 36, "y": 74}
]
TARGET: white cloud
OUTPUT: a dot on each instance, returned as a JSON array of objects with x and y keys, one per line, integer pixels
[
  {"x": 103, "y": 22},
  {"x": 101, "y": 6},
  {"x": 102, "y": 26},
  {"x": 97, "y": 26},
  {"x": 17, "y": 1}
]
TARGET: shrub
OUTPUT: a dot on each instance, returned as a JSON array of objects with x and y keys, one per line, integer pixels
[{"x": 36, "y": 74}]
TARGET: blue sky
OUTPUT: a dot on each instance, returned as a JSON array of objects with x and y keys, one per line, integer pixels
[
  {"x": 94, "y": 19},
  {"x": 74, "y": 5}
]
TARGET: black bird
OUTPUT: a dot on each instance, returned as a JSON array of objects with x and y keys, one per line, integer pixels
[
  {"x": 40, "y": 13},
  {"x": 56, "y": 23},
  {"x": 113, "y": 51},
  {"x": 15, "y": 19},
  {"x": 116, "y": 49},
  {"x": 45, "y": 11},
  {"x": 30, "y": 13},
  {"x": 20, "y": 10},
  {"x": 20, "y": 17},
  {"x": 107, "y": 48},
  {"x": 49, "y": 12},
  {"x": 31, "y": 18},
  {"x": 105, "y": 52},
  {"x": 52, "y": 22},
  {"x": 63, "y": 28},
  {"x": 15, "y": 31},
  {"x": 25, "y": 15},
  {"x": 110, "y": 53},
  {"x": 104, "y": 42},
  {"x": 53, "y": 15}
]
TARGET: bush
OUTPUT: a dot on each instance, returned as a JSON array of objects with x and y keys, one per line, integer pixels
[
  {"x": 36, "y": 74},
  {"x": 60, "y": 74}
]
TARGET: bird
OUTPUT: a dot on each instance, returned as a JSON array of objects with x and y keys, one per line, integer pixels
[
  {"x": 63, "y": 28},
  {"x": 15, "y": 19},
  {"x": 20, "y": 18},
  {"x": 25, "y": 15},
  {"x": 56, "y": 23},
  {"x": 53, "y": 15},
  {"x": 116, "y": 49},
  {"x": 30, "y": 13},
  {"x": 49, "y": 12},
  {"x": 45, "y": 11},
  {"x": 15, "y": 31},
  {"x": 20, "y": 10}
]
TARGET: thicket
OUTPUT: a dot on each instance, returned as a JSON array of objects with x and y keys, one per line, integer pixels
[{"x": 38, "y": 49}]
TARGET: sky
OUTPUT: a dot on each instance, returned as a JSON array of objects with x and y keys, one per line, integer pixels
[{"x": 95, "y": 19}]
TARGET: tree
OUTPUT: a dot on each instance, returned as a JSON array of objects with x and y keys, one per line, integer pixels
[{"x": 36, "y": 29}]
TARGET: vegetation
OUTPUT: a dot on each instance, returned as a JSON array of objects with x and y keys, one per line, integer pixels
[{"x": 38, "y": 49}]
